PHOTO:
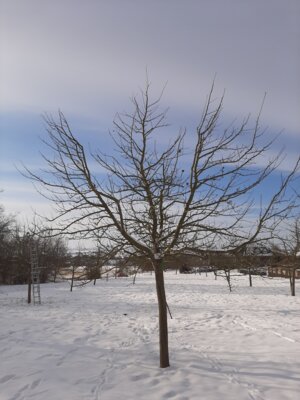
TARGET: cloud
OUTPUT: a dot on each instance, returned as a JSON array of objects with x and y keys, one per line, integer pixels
[
  {"x": 89, "y": 57},
  {"x": 22, "y": 200}
]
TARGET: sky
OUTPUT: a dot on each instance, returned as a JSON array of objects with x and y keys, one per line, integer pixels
[{"x": 89, "y": 57}]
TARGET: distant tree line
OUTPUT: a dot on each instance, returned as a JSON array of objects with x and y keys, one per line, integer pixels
[
  {"x": 57, "y": 263},
  {"x": 15, "y": 244}
]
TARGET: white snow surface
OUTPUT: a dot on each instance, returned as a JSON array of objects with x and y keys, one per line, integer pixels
[{"x": 101, "y": 342}]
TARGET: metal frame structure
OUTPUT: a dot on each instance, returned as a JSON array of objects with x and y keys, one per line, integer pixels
[{"x": 35, "y": 274}]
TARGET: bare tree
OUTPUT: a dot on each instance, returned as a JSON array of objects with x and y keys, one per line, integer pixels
[
  {"x": 290, "y": 252},
  {"x": 7, "y": 224},
  {"x": 105, "y": 254},
  {"x": 158, "y": 200},
  {"x": 292, "y": 245},
  {"x": 85, "y": 266}
]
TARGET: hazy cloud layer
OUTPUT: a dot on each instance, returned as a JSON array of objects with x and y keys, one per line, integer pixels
[{"x": 90, "y": 56}]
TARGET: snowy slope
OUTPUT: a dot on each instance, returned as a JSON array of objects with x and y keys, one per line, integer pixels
[{"x": 101, "y": 342}]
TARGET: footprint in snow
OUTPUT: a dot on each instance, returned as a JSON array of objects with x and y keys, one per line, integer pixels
[
  {"x": 35, "y": 383},
  {"x": 135, "y": 378},
  {"x": 7, "y": 378},
  {"x": 169, "y": 394}
]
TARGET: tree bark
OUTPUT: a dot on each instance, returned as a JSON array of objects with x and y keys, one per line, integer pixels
[
  {"x": 250, "y": 276},
  {"x": 293, "y": 281},
  {"x": 163, "y": 314},
  {"x": 228, "y": 278},
  {"x": 72, "y": 279},
  {"x": 29, "y": 284}
]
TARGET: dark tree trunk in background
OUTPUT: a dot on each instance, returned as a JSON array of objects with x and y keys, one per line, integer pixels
[
  {"x": 293, "y": 281},
  {"x": 29, "y": 284},
  {"x": 250, "y": 277},
  {"x": 72, "y": 279},
  {"x": 228, "y": 278}
]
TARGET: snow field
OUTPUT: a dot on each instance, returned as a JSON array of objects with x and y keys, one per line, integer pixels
[{"x": 101, "y": 342}]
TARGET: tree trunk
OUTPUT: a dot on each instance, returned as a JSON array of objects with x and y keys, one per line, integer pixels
[
  {"x": 250, "y": 277},
  {"x": 72, "y": 280},
  {"x": 163, "y": 314},
  {"x": 134, "y": 278},
  {"x": 29, "y": 284},
  {"x": 293, "y": 281},
  {"x": 227, "y": 275}
]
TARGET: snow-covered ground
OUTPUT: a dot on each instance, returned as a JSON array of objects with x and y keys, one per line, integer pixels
[{"x": 101, "y": 342}]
